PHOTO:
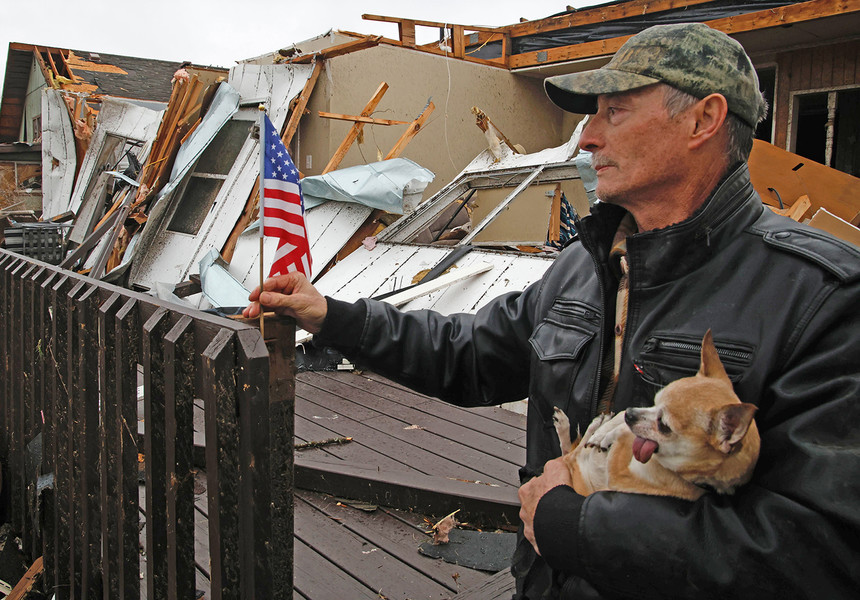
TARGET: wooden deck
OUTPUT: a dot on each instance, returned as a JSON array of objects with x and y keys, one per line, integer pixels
[{"x": 411, "y": 461}]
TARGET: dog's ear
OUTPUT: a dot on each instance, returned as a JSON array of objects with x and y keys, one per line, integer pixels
[
  {"x": 711, "y": 366},
  {"x": 731, "y": 424}
]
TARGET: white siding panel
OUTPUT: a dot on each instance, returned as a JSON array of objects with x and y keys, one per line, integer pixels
[{"x": 58, "y": 154}]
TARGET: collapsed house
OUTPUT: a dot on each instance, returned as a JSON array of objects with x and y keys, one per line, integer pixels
[{"x": 162, "y": 192}]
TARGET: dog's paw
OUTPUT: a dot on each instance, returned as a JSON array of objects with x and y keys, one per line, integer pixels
[
  {"x": 589, "y": 438},
  {"x": 562, "y": 429},
  {"x": 607, "y": 430}
]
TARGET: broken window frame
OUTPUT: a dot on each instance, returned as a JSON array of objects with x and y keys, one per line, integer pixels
[
  {"x": 517, "y": 179},
  {"x": 196, "y": 214},
  {"x": 795, "y": 98}
]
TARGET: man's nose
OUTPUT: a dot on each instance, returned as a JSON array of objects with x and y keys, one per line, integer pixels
[{"x": 589, "y": 140}]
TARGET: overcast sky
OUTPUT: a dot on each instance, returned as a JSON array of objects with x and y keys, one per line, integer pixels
[{"x": 221, "y": 32}]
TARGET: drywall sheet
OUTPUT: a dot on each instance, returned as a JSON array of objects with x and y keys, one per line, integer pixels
[{"x": 377, "y": 185}]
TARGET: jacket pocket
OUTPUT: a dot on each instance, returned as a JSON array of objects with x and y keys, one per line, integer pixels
[
  {"x": 666, "y": 357},
  {"x": 560, "y": 343}
]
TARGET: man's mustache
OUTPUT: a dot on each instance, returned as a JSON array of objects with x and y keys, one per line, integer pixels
[{"x": 598, "y": 162}]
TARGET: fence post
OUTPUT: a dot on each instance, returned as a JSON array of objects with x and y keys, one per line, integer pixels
[{"x": 281, "y": 335}]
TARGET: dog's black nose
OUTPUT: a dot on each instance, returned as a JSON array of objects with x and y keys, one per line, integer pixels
[{"x": 631, "y": 416}]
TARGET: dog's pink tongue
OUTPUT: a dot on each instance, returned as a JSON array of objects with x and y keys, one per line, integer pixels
[{"x": 643, "y": 449}]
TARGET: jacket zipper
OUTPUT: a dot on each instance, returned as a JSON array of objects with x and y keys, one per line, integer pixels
[
  {"x": 576, "y": 310},
  {"x": 653, "y": 344},
  {"x": 587, "y": 242}
]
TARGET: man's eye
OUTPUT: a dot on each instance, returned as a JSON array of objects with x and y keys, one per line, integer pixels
[{"x": 663, "y": 427}]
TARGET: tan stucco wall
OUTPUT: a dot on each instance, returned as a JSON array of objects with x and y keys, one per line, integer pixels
[{"x": 450, "y": 139}]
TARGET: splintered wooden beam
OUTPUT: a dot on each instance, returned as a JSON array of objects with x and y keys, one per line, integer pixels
[
  {"x": 356, "y": 128},
  {"x": 411, "y": 131},
  {"x": 434, "y": 24},
  {"x": 361, "y": 119},
  {"x": 763, "y": 19},
  {"x": 483, "y": 122},
  {"x": 300, "y": 105},
  {"x": 25, "y": 585},
  {"x": 339, "y": 50},
  {"x": 406, "y": 28},
  {"x": 598, "y": 14}
]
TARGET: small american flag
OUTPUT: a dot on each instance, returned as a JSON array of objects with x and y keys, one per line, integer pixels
[{"x": 283, "y": 205}]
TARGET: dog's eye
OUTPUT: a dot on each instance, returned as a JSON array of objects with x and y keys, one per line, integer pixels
[{"x": 663, "y": 427}]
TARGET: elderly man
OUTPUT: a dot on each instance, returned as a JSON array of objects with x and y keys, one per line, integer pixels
[{"x": 680, "y": 243}]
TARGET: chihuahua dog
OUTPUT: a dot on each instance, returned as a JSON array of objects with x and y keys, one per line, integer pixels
[{"x": 697, "y": 437}]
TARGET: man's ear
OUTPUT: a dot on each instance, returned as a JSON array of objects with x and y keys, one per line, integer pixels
[{"x": 710, "y": 114}]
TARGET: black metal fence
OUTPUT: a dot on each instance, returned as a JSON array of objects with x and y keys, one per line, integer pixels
[{"x": 98, "y": 394}]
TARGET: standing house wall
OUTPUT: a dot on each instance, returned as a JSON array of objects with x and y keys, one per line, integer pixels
[
  {"x": 819, "y": 68},
  {"x": 450, "y": 139}
]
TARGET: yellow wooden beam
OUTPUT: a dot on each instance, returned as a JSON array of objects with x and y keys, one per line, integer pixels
[
  {"x": 764, "y": 19},
  {"x": 356, "y": 128},
  {"x": 361, "y": 119}
]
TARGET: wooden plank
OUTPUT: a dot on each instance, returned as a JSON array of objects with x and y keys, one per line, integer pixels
[
  {"x": 500, "y": 585},
  {"x": 406, "y": 29},
  {"x": 402, "y": 458},
  {"x": 339, "y": 50},
  {"x": 318, "y": 577},
  {"x": 480, "y": 505},
  {"x": 411, "y": 132},
  {"x": 776, "y": 17},
  {"x": 55, "y": 436},
  {"x": 373, "y": 566},
  {"x": 179, "y": 374},
  {"x": 443, "y": 281},
  {"x": 411, "y": 457},
  {"x": 222, "y": 466},
  {"x": 258, "y": 538},
  {"x": 17, "y": 473},
  {"x": 300, "y": 105},
  {"x": 598, "y": 14},
  {"x": 354, "y": 452},
  {"x": 429, "y": 421},
  {"x": 396, "y": 537},
  {"x": 86, "y": 426},
  {"x": 437, "y": 455},
  {"x": 360, "y": 119},
  {"x": 30, "y": 542},
  {"x": 123, "y": 436},
  {"x": 492, "y": 420},
  {"x": 109, "y": 488},
  {"x": 356, "y": 129},
  {"x": 67, "y": 428},
  {"x": 424, "y": 23},
  {"x": 280, "y": 379},
  {"x": 154, "y": 330},
  {"x": 25, "y": 585},
  {"x": 43, "y": 373}
]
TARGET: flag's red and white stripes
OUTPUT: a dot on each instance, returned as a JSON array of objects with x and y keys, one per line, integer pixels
[{"x": 283, "y": 207}]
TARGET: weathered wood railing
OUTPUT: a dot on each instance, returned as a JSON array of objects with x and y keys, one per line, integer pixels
[{"x": 76, "y": 354}]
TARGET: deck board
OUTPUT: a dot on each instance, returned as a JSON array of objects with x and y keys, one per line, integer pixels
[
  {"x": 343, "y": 552},
  {"x": 418, "y": 449}
]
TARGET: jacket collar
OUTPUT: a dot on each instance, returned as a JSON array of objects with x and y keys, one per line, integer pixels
[{"x": 663, "y": 255}]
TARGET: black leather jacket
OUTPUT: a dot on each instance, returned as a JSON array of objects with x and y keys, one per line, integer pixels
[{"x": 783, "y": 301}]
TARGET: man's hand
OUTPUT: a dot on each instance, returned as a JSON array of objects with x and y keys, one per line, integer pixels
[
  {"x": 291, "y": 295},
  {"x": 555, "y": 473}
]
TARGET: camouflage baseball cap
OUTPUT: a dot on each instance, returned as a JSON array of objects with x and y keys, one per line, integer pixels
[{"x": 691, "y": 57}]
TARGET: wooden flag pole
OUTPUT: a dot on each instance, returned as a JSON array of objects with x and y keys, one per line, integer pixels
[{"x": 262, "y": 110}]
